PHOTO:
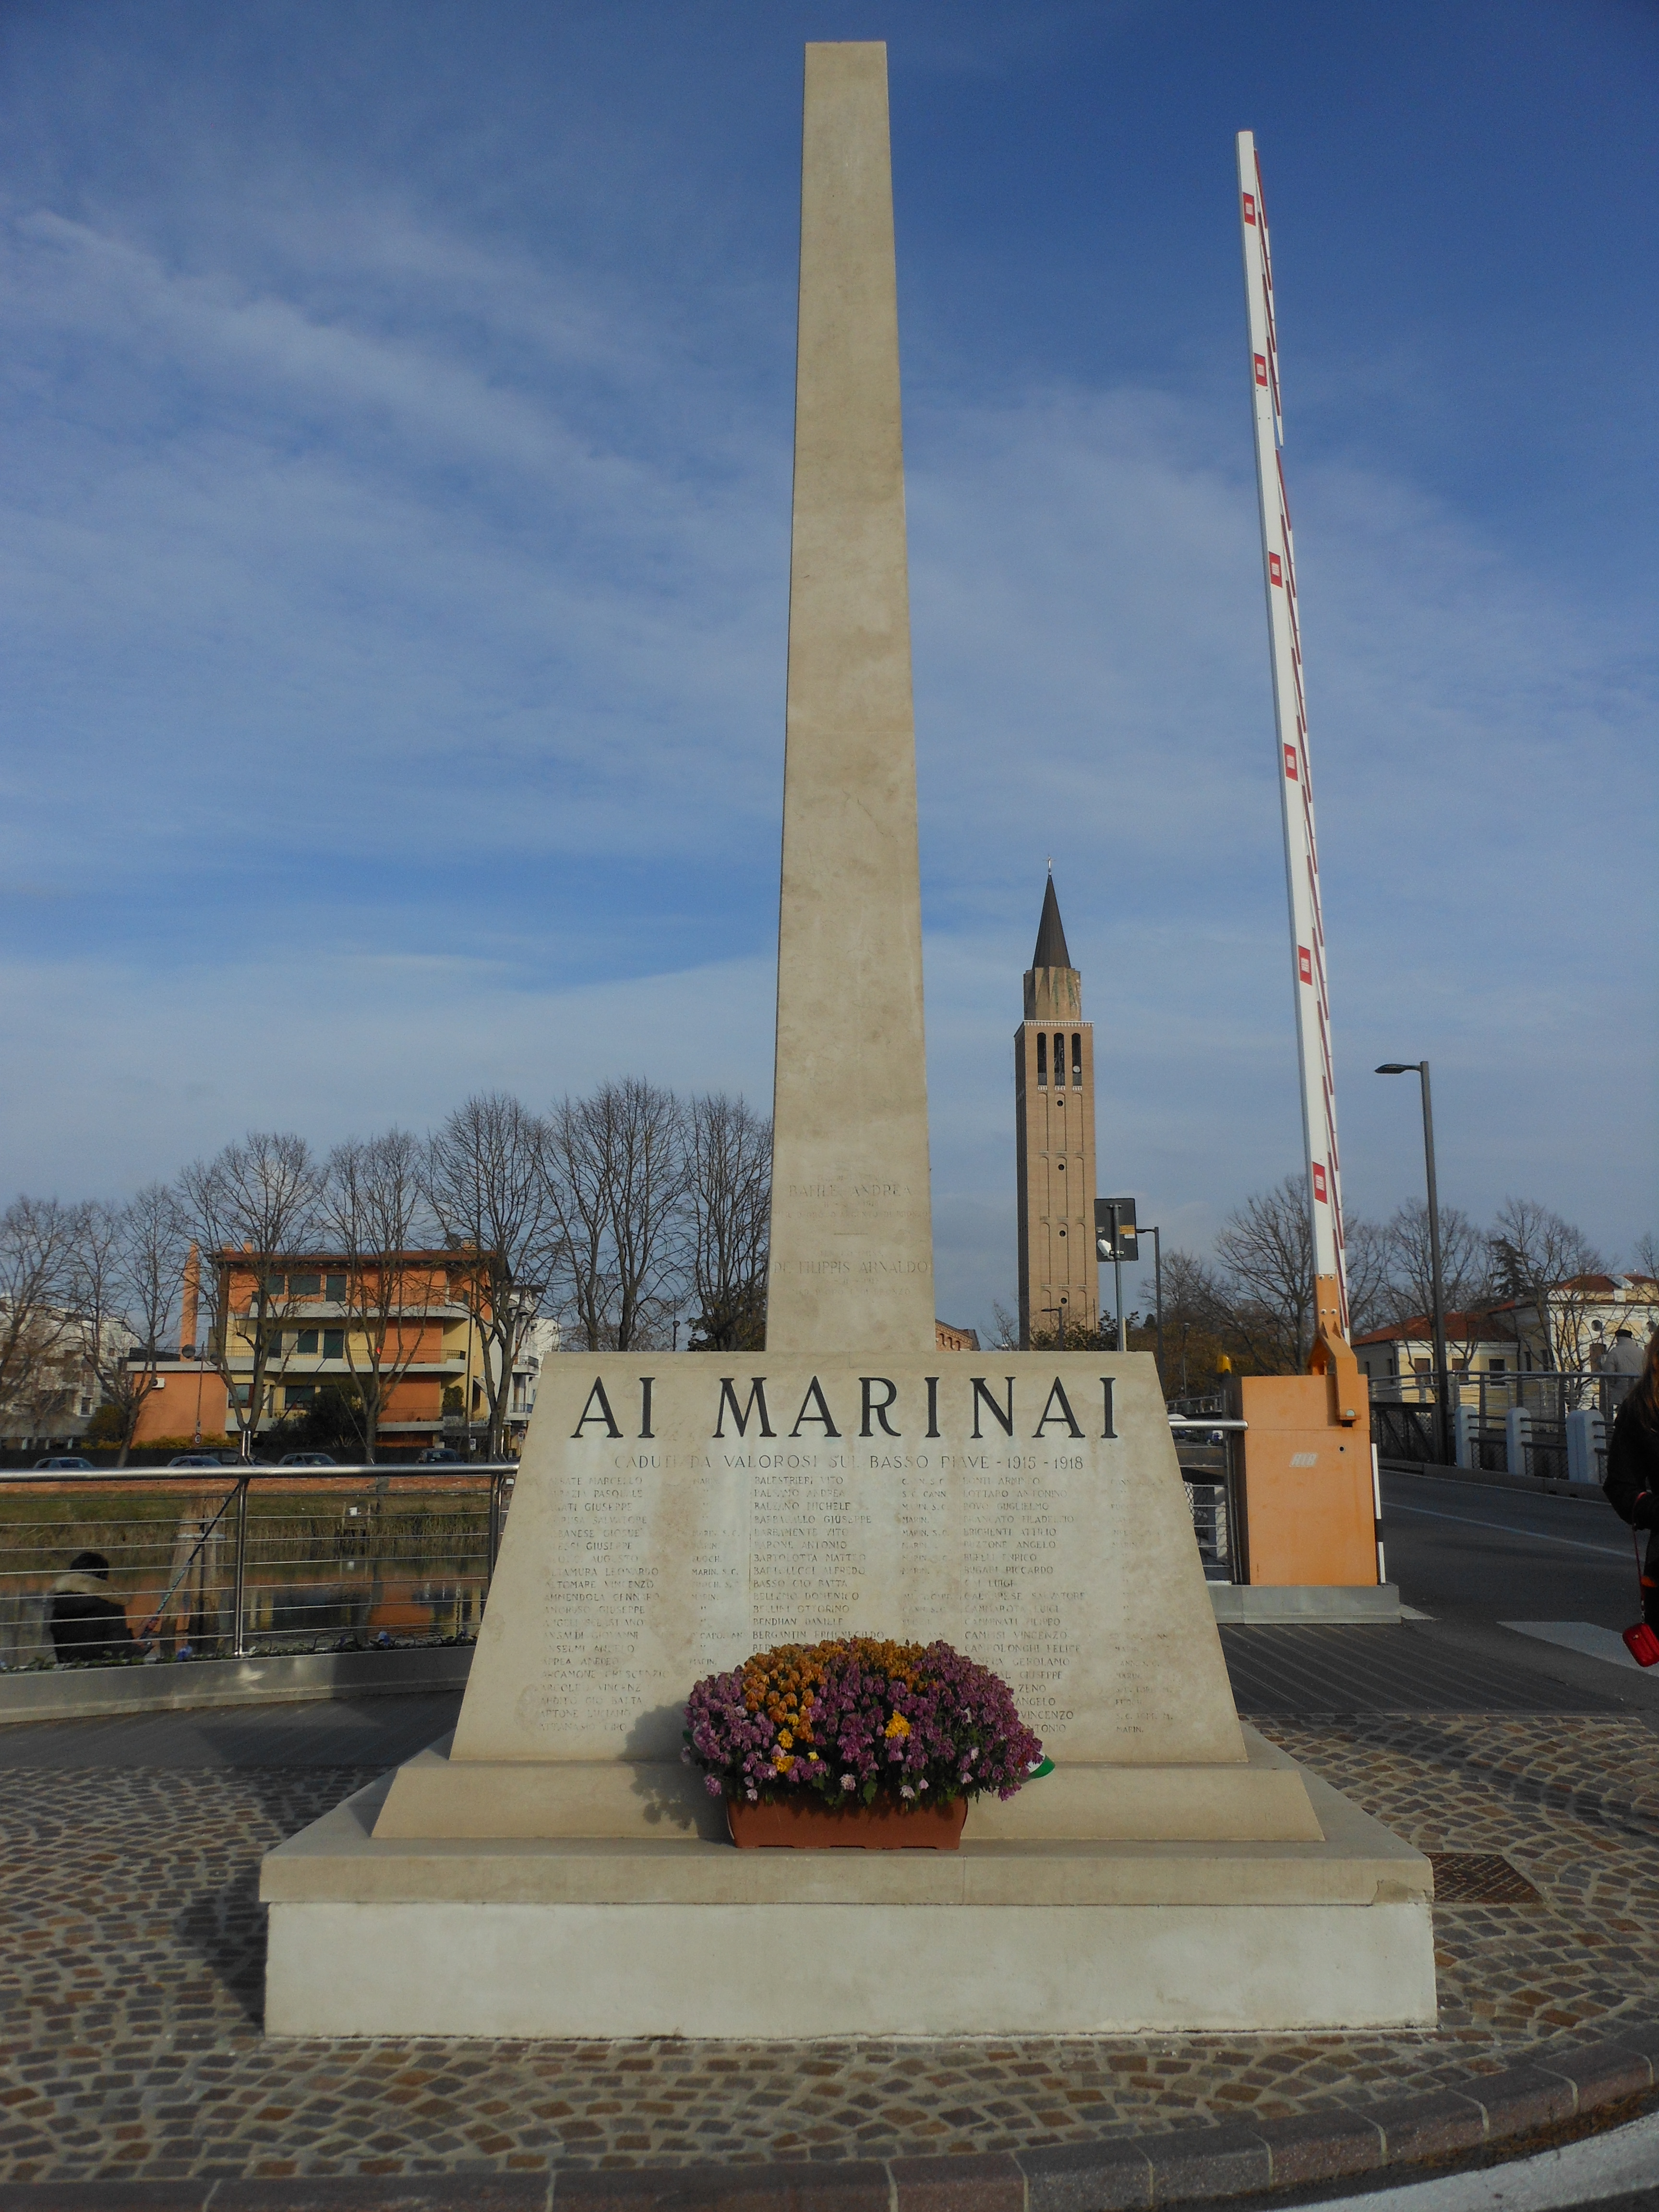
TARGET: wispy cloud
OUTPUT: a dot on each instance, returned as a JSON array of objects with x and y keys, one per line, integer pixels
[{"x": 394, "y": 597}]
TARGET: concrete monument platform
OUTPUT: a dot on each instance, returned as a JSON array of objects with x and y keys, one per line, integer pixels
[
  {"x": 630, "y": 1937},
  {"x": 554, "y": 1871}
]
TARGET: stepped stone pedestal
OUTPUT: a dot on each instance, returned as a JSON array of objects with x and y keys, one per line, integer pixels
[{"x": 554, "y": 1870}]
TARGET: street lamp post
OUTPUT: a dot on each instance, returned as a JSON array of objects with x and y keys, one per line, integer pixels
[
  {"x": 1442, "y": 1373},
  {"x": 1150, "y": 1229}
]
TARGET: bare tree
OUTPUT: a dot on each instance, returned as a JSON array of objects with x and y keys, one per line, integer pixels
[
  {"x": 1197, "y": 1328},
  {"x": 1646, "y": 1260},
  {"x": 729, "y": 1191},
  {"x": 1465, "y": 1262},
  {"x": 248, "y": 1209},
  {"x": 484, "y": 1179},
  {"x": 1539, "y": 1261},
  {"x": 1266, "y": 1251},
  {"x": 373, "y": 1213},
  {"x": 39, "y": 1239},
  {"x": 617, "y": 1178},
  {"x": 1365, "y": 1249},
  {"x": 129, "y": 1273}
]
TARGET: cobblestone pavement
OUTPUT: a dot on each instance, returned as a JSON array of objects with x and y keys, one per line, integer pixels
[{"x": 131, "y": 1962}]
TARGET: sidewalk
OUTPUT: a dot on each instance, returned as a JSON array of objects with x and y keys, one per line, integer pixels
[{"x": 130, "y": 1974}]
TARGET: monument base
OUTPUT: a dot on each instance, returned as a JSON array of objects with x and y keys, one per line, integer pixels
[
  {"x": 372, "y": 1935},
  {"x": 435, "y": 1798}
]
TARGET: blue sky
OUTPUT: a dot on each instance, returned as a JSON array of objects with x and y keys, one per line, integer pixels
[{"x": 394, "y": 480}]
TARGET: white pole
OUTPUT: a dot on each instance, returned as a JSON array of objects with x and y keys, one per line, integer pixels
[{"x": 1313, "y": 1014}]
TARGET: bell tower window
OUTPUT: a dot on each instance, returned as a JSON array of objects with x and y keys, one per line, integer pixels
[
  {"x": 1077, "y": 1062},
  {"x": 1043, "y": 1062}
]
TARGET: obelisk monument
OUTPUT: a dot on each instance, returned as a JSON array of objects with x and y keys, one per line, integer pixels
[
  {"x": 851, "y": 1239},
  {"x": 556, "y": 1869},
  {"x": 668, "y": 1518}
]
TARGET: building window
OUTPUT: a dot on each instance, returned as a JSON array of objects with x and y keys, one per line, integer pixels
[
  {"x": 299, "y": 1394},
  {"x": 1496, "y": 1366},
  {"x": 276, "y": 1284},
  {"x": 334, "y": 1289},
  {"x": 307, "y": 1340},
  {"x": 1077, "y": 1063},
  {"x": 304, "y": 1287},
  {"x": 1060, "y": 1061},
  {"x": 1043, "y": 1062},
  {"x": 274, "y": 1345},
  {"x": 334, "y": 1344}
]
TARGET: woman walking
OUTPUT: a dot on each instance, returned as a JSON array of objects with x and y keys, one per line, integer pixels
[{"x": 1633, "y": 1483}]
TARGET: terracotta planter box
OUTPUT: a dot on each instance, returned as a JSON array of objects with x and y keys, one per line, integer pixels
[{"x": 815, "y": 1826}]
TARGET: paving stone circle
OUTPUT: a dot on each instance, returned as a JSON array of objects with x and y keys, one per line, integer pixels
[{"x": 131, "y": 1961}]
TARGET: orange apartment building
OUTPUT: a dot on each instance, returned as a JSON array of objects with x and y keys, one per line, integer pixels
[{"x": 318, "y": 1322}]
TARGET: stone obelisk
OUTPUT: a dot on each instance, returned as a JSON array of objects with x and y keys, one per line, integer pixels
[
  {"x": 556, "y": 1869},
  {"x": 852, "y": 1248}
]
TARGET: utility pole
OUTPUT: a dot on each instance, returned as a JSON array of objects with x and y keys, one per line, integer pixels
[{"x": 1437, "y": 1286}]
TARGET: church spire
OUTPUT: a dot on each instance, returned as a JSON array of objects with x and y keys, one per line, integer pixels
[
  {"x": 1055, "y": 1145},
  {"x": 1051, "y": 935}
]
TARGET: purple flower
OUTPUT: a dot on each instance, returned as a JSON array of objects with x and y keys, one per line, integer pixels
[{"x": 892, "y": 1720}]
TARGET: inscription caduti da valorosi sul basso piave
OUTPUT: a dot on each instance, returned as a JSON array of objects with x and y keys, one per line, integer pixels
[{"x": 945, "y": 1504}]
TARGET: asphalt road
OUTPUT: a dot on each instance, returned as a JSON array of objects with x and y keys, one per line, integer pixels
[{"x": 1463, "y": 1551}]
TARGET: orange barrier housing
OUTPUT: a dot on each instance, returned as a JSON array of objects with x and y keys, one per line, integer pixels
[{"x": 1310, "y": 1516}]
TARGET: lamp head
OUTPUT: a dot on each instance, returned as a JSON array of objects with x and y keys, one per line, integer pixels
[{"x": 1397, "y": 1067}]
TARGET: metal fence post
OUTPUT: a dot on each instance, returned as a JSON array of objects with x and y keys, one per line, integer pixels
[
  {"x": 1238, "y": 1537},
  {"x": 238, "y": 1650},
  {"x": 494, "y": 1525}
]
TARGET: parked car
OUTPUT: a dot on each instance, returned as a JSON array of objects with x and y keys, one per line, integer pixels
[
  {"x": 440, "y": 1455},
  {"x": 307, "y": 1459},
  {"x": 215, "y": 1460},
  {"x": 65, "y": 1463}
]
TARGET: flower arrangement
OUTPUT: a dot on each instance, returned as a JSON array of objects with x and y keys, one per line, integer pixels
[{"x": 854, "y": 1718}]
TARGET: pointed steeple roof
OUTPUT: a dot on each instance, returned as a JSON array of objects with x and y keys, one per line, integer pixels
[{"x": 1051, "y": 935}]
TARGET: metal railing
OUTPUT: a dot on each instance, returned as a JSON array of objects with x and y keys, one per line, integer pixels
[
  {"x": 255, "y": 1560},
  {"x": 1543, "y": 1392},
  {"x": 1208, "y": 1451}
]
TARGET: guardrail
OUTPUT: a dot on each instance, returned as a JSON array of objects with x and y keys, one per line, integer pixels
[
  {"x": 258, "y": 1561},
  {"x": 255, "y": 1560},
  {"x": 1207, "y": 1448}
]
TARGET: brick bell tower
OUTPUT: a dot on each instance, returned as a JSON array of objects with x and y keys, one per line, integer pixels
[{"x": 1054, "y": 1141}]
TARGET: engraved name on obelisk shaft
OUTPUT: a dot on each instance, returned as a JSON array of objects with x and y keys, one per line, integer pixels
[{"x": 852, "y": 1246}]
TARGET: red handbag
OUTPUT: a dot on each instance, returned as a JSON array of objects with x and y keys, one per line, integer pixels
[{"x": 1640, "y": 1641}]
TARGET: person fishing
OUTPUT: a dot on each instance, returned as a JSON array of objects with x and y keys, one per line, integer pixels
[
  {"x": 1632, "y": 1477},
  {"x": 88, "y": 1621}
]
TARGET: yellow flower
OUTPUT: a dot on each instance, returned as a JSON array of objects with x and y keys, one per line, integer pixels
[
  {"x": 785, "y": 1739},
  {"x": 898, "y": 1725}
]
